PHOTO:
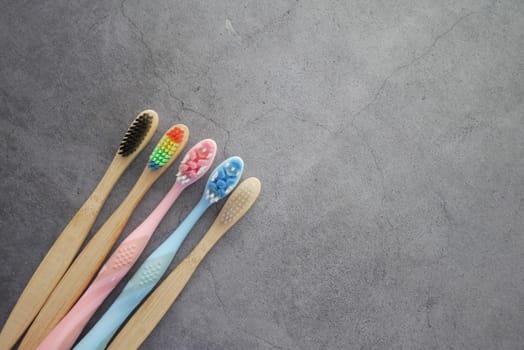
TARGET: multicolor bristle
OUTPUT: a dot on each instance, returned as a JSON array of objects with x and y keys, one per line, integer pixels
[
  {"x": 166, "y": 148},
  {"x": 240, "y": 200},
  {"x": 197, "y": 161},
  {"x": 224, "y": 178},
  {"x": 135, "y": 134}
]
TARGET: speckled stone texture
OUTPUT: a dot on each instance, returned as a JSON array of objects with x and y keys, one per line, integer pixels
[{"x": 388, "y": 136}]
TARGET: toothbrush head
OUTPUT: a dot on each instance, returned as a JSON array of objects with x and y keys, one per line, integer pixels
[
  {"x": 137, "y": 132},
  {"x": 196, "y": 162},
  {"x": 169, "y": 145},
  {"x": 238, "y": 202},
  {"x": 223, "y": 179}
]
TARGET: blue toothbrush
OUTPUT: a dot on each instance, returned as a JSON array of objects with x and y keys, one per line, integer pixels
[{"x": 221, "y": 182}]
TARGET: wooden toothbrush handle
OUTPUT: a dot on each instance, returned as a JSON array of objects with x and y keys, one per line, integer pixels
[
  {"x": 84, "y": 267},
  {"x": 145, "y": 319},
  {"x": 58, "y": 258}
]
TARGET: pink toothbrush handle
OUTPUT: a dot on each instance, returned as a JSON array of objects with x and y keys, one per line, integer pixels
[{"x": 65, "y": 333}]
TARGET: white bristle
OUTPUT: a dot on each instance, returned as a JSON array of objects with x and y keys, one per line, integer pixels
[{"x": 236, "y": 204}]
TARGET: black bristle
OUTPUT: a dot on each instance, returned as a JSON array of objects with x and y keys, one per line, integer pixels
[{"x": 135, "y": 134}]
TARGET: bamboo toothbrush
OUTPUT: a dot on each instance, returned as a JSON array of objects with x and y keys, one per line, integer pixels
[
  {"x": 194, "y": 165},
  {"x": 223, "y": 179},
  {"x": 145, "y": 319},
  {"x": 63, "y": 251},
  {"x": 92, "y": 256}
]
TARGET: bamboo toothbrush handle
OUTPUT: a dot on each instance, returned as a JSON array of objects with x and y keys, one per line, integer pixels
[
  {"x": 84, "y": 266},
  {"x": 63, "y": 251},
  {"x": 59, "y": 257}
]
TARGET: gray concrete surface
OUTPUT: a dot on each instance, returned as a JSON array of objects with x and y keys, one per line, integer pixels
[{"x": 388, "y": 135}]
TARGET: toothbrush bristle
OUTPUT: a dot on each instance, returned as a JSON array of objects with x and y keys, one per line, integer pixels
[
  {"x": 176, "y": 134},
  {"x": 166, "y": 147},
  {"x": 197, "y": 161},
  {"x": 224, "y": 179},
  {"x": 237, "y": 201},
  {"x": 135, "y": 134}
]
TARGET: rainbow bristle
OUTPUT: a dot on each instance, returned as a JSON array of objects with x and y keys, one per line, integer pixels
[{"x": 166, "y": 147}]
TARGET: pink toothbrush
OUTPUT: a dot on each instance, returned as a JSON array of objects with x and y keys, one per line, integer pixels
[{"x": 194, "y": 165}]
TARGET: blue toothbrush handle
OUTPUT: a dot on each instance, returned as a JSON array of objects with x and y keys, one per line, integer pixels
[{"x": 139, "y": 286}]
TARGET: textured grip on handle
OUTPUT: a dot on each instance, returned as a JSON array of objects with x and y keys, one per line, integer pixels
[
  {"x": 116, "y": 267},
  {"x": 139, "y": 286},
  {"x": 156, "y": 305},
  {"x": 69, "y": 328}
]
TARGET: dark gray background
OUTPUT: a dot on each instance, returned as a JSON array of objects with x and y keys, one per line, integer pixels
[{"x": 388, "y": 136}]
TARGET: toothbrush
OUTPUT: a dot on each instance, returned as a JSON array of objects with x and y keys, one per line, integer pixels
[
  {"x": 66, "y": 246},
  {"x": 223, "y": 179},
  {"x": 87, "y": 263},
  {"x": 144, "y": 320},
  {"x": 194, "y": 165}
]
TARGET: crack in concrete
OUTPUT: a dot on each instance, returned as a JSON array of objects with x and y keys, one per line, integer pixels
[
  {"x": 224, "y": 310},
  {"x": 183, "y": 106},
  {"x": 374, "y": 157},
  {"x": 449, "y": 219},
  {"x": 227, "y": 132},
  {"x": 359, "y": 133},
  {"x": 312, "y": 122},
  {"x": 294, "y": 116},
  {"x": 379, "y": 169},
  {"x": 444, "y": 206},
  {"x": 140, "y": 32},
  {"x": 150, "y": 53},
  {"x": 265, "y": 114},
  {"x": 180, "y": 101},
  {"x": 94, "y": 25},
  {"x": 402, "y": 67},
  {"x": 250, "y": 37},
  {"x": 216, "y": 293}
]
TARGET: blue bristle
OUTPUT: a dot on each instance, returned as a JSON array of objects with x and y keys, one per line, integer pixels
[
  {"x": 152, "y": 165},
  {"x": 224, "y": 178}
]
